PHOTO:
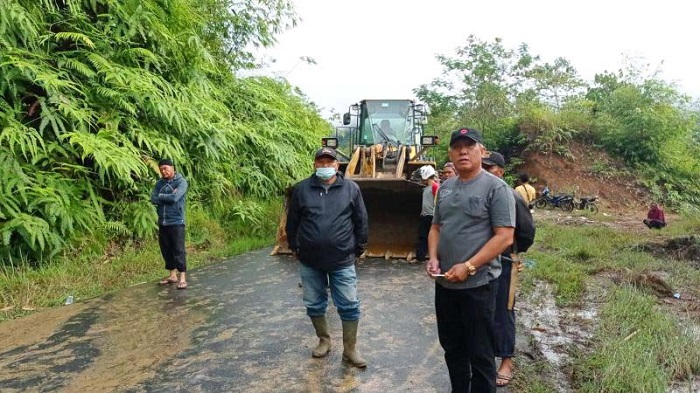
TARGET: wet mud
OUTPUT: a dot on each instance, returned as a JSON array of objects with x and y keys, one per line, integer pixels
[
  {"x": 552, "y": 334},
  {"x": 240, "y": 327},
  {"x": 682, "y": 248},
  {"x": 554, "y": 331}
]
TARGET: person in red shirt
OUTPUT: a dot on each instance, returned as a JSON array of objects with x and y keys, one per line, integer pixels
[{"x": 655, "y": 217}]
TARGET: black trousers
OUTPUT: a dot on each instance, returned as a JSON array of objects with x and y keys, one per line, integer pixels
[
  {"x": 465, "y": 329},
  {"x": 654, "y": 224},
  {"x": 422, "y": 243},
  {"x": 504, "y": 326},
  {"x": 172, "y": 246}
]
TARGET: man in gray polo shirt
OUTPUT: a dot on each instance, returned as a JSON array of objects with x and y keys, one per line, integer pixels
[{"x": 473, "y": 223}]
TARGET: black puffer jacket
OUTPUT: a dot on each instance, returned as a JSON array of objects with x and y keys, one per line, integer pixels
[{"x": 327, "y": 229}]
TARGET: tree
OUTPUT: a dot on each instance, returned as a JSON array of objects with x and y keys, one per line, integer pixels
[
  {"x": 555, "y": 82},
  {"x": 479, "y": 87},
  {"x": 93, "y": 93},
  {"x": 234, "y": 27}
]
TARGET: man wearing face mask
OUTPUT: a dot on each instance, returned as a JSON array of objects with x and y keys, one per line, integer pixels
[{"x": 327, "y": 230}]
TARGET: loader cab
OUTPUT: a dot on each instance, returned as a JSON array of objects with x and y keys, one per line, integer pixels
[{"x": 390, "y": 122}]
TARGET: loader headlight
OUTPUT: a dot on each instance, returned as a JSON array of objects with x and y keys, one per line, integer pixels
[
  {"x": 428, "y": 140},
  {"x": 330, "y": 142}
]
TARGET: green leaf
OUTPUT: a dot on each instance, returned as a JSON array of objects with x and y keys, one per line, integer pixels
[{"x": 75, "y": 37}]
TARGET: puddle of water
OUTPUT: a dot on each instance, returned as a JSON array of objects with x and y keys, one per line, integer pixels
[
  {"x": 99, "y": 345},
  {"x": 134, "y": 341}
]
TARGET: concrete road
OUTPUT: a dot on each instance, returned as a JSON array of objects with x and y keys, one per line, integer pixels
[{"x": 240, "y": 327}]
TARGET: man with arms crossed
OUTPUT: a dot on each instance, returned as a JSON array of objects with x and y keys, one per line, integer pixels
[
  {"x": 168, "y": 196},
  {"x": 473, "y": 223}
]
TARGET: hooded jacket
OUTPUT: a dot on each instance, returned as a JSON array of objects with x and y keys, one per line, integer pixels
[
  {"x": 169, "y": 198},
  {"x": 327, "y": 228}
]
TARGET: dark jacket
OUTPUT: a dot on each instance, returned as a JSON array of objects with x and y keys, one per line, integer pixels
[
  {"x": 170, "y": 204},
  {"x": 524, "y": 226},
  {"x": 327, "y": 229}
]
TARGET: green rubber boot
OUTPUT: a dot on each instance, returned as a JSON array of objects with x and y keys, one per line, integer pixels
[
  {"x": 350, "y": 353},
  {"x": 324, "y": 338}
]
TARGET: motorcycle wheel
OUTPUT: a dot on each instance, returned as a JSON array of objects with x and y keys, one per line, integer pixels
[
  {"x": 591, "y": 207},
  {"x": 567, "y": 205},
  {"x": 540, "y": 203}
]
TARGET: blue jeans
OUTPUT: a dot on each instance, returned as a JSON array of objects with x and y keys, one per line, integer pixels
[{"x": 343, "y": 283}]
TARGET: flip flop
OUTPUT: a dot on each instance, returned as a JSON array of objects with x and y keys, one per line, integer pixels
[
  {"x": 503, "y": 377},
  {"x": 167, "y": 281},
  {"x": 182, "y": 285}
]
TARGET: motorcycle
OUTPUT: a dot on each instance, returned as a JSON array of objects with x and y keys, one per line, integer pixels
[
  {"x": 563, "y": 201},
  {"x": 587, "y": 203}
]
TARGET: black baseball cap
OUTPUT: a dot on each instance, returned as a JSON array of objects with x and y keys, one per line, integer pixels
[
  {"x": 326, "y": 152},
  {"x": 166, "y": 161},
  {"x": 494, "y": 159},
  {"x": 468, "y": 133}
]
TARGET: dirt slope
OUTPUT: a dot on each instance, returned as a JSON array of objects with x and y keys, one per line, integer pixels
[{"x": 590, "y": 172}]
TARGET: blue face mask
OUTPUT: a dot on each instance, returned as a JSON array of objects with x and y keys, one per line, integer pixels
[{"x": 325, "y": 173}]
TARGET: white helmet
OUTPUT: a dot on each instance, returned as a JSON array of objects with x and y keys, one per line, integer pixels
[{"x": 426, "y": 172}]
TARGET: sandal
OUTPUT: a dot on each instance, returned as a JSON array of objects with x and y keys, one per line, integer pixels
[
  {"x": 167, "y": 281},
  {"x": 182, "y": 285},
  {"x": 503, "y": 377}
]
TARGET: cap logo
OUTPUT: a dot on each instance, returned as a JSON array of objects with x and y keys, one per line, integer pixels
[
  {"x": 327, "y": 151},
  {"x": 463, "y": 131}
]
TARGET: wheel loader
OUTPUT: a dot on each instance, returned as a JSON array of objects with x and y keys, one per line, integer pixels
[{"x": 380, "y": 147}]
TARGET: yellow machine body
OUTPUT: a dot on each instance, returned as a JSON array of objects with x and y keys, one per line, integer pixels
[{"x": 383, "y": 166}]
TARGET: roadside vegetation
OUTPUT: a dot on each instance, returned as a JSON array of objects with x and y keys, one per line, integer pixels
[
  {"x": 93, "y": 94},
  {"x": 524, "y": 103},
  {"x": 640, "y": 342}
]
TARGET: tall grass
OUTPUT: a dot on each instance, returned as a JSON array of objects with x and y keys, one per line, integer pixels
[{"x": 638, "y": 347}]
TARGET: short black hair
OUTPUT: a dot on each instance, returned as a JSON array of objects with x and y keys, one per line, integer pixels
[{"x": 524, "y": 178}]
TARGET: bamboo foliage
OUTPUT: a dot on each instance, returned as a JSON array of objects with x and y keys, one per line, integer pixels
[{"x": 94, "y": 92}]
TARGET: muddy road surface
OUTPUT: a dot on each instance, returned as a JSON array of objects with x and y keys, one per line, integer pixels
[{"x": 240, "y": 327}]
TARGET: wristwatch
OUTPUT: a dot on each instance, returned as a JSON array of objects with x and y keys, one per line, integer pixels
[{"x": 471, "y": 269}]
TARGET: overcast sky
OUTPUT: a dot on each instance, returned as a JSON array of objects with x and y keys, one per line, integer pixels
[{"x": 386, "y": 48}]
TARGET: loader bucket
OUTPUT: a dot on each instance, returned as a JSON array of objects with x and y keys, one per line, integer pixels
[{"x": 393, "y": 208}]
